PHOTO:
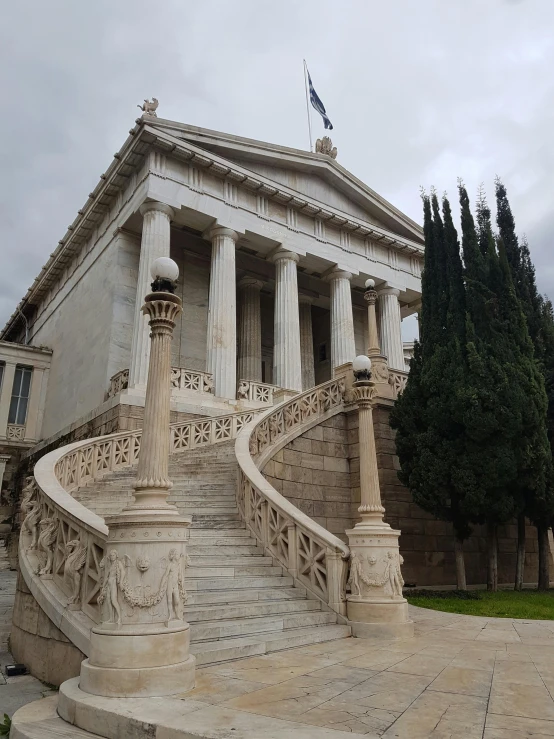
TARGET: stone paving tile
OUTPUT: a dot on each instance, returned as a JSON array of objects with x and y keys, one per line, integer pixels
[{"x": 514, "y": 727}]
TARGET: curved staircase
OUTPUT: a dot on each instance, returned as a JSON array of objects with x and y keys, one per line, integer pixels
[{"x": 239, "y": 602}]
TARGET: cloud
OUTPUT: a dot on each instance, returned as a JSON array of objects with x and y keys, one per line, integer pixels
[{"x": 419, "y": 94}]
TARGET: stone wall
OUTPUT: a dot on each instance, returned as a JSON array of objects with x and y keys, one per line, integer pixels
[
  {"x": 319, "y": 472},
  {"x": 313, "y": 472},
  {"x": 38, "y": 644}
]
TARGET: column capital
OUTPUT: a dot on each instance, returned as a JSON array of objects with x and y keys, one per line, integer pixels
[
  {"x": 245, "y": 282},
  {"x": 222, "y": 231},
  {"x": 305, "y": 299},
  {"x": 388, "y": 291},
  {"x": 4, "y": 458},
  {"x": 154, "y": 205},
  {"x": 336, "y": 273},
  {"x": 280, "y": 254}
]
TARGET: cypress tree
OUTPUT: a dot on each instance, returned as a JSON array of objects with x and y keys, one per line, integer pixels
[
  {"x": 536, "y": 492},
  {"x": 427, "y": 416},
  {"x": 491, "y": 413}
]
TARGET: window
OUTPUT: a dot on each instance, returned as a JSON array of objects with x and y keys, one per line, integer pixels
[
  {"x": 20, "y": 395},
  {"x": 322, "y": 353}
]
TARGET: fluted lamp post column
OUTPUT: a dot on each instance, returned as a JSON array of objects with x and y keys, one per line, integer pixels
[
  {"x": 141, "y": 647},
  {"x": 376, "y": 607}
]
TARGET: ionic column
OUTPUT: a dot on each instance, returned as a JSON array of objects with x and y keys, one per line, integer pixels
[
  {"x": 287, "y": 370},
  {"x": 222, "y": 310},
  {"x": 343, "y": 347},
  {"x": 390, "y": 325},
  {"x": 250, "y": 330},
  {"x": 6, "y": 396},
  {"x": 155, "y": 243},
  {"x": 306, "y": 342}
]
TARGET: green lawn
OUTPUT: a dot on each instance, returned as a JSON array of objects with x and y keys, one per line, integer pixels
[{"x": 527, "y": 604}]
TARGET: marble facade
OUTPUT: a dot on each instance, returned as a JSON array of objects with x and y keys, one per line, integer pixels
[{"x": 273, "y": 244}]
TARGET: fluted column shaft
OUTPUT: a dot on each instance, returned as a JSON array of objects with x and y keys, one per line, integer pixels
[
  {"x": 152, "y": 483},
  {"x": 250, "y": 330},
  {"x": 306, "y": 343},
  {"x": 155, "y": 243},
  {"x": 343, "y": 348},
  {"x": 391, "y": 327},
  {"x": 222, "y": 313},
  {"x": 370, "y": 492},
  {"x": 287, "y": 368}
]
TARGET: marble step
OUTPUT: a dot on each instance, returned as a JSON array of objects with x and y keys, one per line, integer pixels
[
  {"x": 240, "y": 627},
  {"x": 221, "y": 525},
  {"x": 225, "y": 649},
  {"x": 254, "y": 595},
  {"x": 223, "y": 571},
  {"x": 249, "y": 610},
  {"x": 238, "y": 583},
  {"x": 197, "y": 511},
  {"x": 229, "y": 560},
  {"x": 40, "y": 720},
  {"x": 215, "y": 499},
  {"x": 213, "y": 538},
  {"x": 250, "y": 549}
]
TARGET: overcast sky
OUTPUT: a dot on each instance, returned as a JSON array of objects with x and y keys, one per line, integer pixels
[{"x": 419, "y": 93}]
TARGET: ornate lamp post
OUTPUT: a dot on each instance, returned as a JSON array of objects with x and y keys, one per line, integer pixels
[
  {"x": 375, "y": 606},
  {"x": 141, "y": 647}
]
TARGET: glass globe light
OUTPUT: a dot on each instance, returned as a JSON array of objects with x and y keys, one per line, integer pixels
[
  {"x": 370, "y": 284},
  {"x": 362, "y": 367},
  {"x": 164, "y": 268}
]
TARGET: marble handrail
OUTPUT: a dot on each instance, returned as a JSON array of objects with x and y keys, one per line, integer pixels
[{"x": 310, "y": 553}]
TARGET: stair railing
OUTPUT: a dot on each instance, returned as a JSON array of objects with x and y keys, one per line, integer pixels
[{"x": 317, "y": 559}]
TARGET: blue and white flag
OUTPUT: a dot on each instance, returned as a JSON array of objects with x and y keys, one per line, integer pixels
[{"x": 318, "y": 105}]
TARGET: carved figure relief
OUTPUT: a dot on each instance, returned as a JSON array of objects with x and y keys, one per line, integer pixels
[
  {"x": 113, "y": 577},
  {"x": 76, "y": 554},
  {"x": 362, "y": 577},
  {"x": 149, "y": 107},
  {"x": 242, "y": 391},
  {"x": 46, "y": 541},
  {"x": 30, "y": 523},
  {"x": 114, "y": 582},
  {"x": 27, "y": 495}
]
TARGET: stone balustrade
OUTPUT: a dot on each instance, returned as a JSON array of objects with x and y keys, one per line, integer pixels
[
  {"x": 194, "y": 381},
  {"x": 62, "y": 543},
  {"x": 397, "y": 381},
  {"x": 259, "y": 392},
  {"x": 310, "y": 553}
]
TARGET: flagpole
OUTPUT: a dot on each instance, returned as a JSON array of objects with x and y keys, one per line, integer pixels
[{"x": 307, "y": 103}]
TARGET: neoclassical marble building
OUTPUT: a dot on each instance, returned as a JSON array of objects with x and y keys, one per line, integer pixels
[{"x": 274, "y": 246}]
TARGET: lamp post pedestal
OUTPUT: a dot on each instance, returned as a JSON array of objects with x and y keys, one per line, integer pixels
[{"x": 376, "y": 607}]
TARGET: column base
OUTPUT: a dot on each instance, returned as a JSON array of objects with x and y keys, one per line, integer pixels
[
  {"x": 138, "y": 682},
  {"x": 382, "y": 631}
]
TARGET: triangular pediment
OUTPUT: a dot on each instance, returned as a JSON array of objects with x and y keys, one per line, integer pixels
[{"x": 315, "y": 176}]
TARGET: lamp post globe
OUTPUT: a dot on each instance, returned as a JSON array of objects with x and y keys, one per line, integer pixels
[
  {"x": 370, "y": 284},
  {"x": 361, "y": 367},
  {"x": 165, "y": 274}
]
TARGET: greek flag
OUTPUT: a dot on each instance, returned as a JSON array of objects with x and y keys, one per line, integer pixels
[{"x": 318, "y": 105}]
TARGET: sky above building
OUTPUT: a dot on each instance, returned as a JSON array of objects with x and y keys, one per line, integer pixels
[{"x": 419, "y": 93}]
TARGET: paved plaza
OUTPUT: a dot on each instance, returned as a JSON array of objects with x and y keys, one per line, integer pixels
[{"x": 460, "y": 677}]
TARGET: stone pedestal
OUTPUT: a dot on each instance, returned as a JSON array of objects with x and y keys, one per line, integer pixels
[
  {"x": 141, "y": 647},
  {"x": 222, "y": 314},
  {"x": 343, "y": 347},
  {"x": 376, "y": 607},
  {"x": 287, "y": 371},
  {"x": 250, "y": 330}
]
